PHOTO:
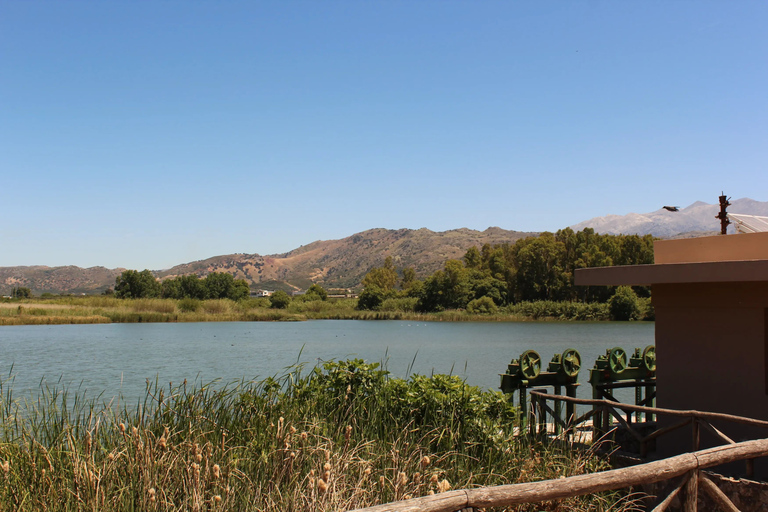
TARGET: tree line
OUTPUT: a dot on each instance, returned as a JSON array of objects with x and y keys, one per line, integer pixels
[
  {"x": 132, "y": 284},
  {"x": 531, "y": 269}
]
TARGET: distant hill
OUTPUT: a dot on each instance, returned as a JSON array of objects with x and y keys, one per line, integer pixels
[
  {"x": 332, "y": 263},
  {"x": 698, "y": 217}
]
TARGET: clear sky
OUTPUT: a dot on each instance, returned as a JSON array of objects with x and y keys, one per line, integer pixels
[{"x": 143, "y": 134}]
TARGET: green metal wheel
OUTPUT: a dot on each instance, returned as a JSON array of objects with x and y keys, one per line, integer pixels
[
  {"x": 649, "y": 358},
  {"x": 571, "y": 362},
  {"x": 617, "y": 360},
  {"x": 530, "y": 364}
]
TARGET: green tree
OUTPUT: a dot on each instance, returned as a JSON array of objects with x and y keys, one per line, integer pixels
[
  {"x": 21, "y": 293},
  {"x": 384, "y": 277},
  {"x": 132, "y": 284},
  {"x": 372, "y": 298},
  {"x": 624, "y": 305},
  {"x": 316, "y": 292},
  {"x": 221, "y": 285},
  {"x": 279, "y": 300},
  {"x": 409, "y": 277}
]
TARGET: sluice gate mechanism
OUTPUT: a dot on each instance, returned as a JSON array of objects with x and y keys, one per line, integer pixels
[
  {"x": 525, "y": 373},
  {"x": 613, "y": 371}
]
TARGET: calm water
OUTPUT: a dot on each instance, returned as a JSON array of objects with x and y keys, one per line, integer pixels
[{"x": 116, "y": 358}]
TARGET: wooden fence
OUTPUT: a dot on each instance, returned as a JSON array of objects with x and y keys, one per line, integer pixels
[{"x": 689, "y": 466}]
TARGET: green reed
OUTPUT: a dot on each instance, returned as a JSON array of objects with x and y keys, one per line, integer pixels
[{"x": 337, "y": 437}]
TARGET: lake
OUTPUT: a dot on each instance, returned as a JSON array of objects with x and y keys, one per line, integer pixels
[{"x": 119, "y": 358}]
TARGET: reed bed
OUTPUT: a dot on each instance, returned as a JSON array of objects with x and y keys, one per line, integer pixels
[
  {"x": 99, "y": 309},
  {"x": 341, "y": 436}
]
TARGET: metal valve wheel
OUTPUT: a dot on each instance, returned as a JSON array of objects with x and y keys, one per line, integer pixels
[
  {"x": 617, "y": 360},
  {"x": 649, "y": 358},
  {"x": 530, "y": 364},
  {"x": 571, "y": 362}
]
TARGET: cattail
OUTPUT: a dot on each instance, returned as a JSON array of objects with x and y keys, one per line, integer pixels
[
  {"x": 111, "y": 456},
  {"x": 430, "y": 492},
  {"x": 216, "y": 471},
  {"x": 381, "y": 480},
  {"x": 327, "y": 476},
  {"x": 327, "y": 466},
  {"x": 292, "y": 430},
  {"x": 88, "y": 441},
  {"x": 433, "y": 479},
  {"x": 6, "y": 467},
  {"x": 425, "y": 461},
  {"x": 444, "y": 486},
  {"x": 321, "y": 485},
  {"x": 199, "y": 457},
  {"x": 311, "y": 482},
  {"x": 407, "y": 497},
  {"x": 122, "y": 428},
  {"x": 135, "y": 431},
  {"x": 417, "y": 478},
  {"x": 402, "y": 479},
  {"x": 367, "y": 471},
  {"x": 152, "y": 494},
  {"x": 348, "y": 432},
  {"x": 304, "y": 436},
  {"x": 217, "y": 499},
  {"x": 327, "y": 455}
]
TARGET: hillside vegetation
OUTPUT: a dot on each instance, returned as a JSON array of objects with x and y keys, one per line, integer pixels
[{"x": 333, "y": 263}]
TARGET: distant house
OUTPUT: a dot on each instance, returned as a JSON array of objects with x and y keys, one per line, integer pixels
[{"x": 263, "y": 293}]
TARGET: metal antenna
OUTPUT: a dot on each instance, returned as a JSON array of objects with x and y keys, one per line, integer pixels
[{"x": 723, "y": 215}]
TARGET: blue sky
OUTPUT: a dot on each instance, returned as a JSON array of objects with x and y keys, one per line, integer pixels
[{"x": 146, "y": 134}]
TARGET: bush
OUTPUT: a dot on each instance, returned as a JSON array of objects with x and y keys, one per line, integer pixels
[
  {"x": 624, "y": 304},
  {"x": 372, "y": 298},
  {"x": 403, "y": 304},
  {"x": 189, "y": 305},
  {"x": 482, "y": 306},
  {"x": 279, "y": 300}
]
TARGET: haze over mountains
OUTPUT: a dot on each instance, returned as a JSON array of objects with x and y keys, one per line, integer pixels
[{"x": 343, "y": 263}]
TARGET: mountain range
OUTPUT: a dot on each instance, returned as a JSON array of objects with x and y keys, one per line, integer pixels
[
  {"x": 343, "y": 263},
  {"x": 696, "y": 218}
]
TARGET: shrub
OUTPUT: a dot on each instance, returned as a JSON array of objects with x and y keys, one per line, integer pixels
[
  {"x": 372, "y": 298},
  {"x": 482, "y": 306},
  {"x": 404, "y": 304},
  {"x": 279, "y": 300},
  {"x": 189, "y": 305},
  {"x": 624, "y": 304}
]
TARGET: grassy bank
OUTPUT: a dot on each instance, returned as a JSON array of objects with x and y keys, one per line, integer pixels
[
  {"x": 101, "y": 309},
  {"x": 340, "y": 437}
]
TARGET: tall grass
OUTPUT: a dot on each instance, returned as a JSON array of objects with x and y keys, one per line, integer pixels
[{"x": 339, "y": 437}]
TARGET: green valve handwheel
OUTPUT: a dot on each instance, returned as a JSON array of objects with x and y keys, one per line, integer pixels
[
  {"x": 649, "y": 358},
  {"x": 617, "y": 360},
  {"x": 571, "y": 362},
  {"x": 530, "y": 364}
]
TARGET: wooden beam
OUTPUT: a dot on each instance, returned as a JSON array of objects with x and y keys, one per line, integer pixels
[
  {"x": 717, "y": 494},
  {"x": 547, "y": 490}
]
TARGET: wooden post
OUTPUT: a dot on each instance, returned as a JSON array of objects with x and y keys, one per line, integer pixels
[
  {"x": 557, "y": 407},
  {"x": 696, "y": 434},
  {"x": 691, "y": 492}
]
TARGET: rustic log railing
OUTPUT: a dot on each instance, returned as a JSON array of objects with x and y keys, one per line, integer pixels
[
  {"x": 606, "y": 409},
  {"x": 689, "y": 466}
]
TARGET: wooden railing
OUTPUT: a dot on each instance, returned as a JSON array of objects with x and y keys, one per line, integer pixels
[
  {"x": 606, "y": 409},
  {"x": 689, "y": 466}
]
